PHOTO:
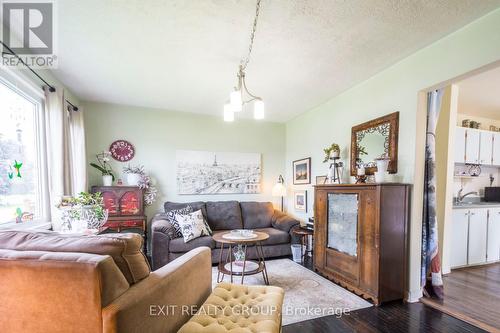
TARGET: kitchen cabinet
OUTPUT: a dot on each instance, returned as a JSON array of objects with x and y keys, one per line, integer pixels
[
  {"x": 459, "y": 237},
  {"x": 460, "y": 144},
  {"x": 478, "y": 230},
  {"x": 472, "y": 143},
  {"x": 496, "y": 149},
  {"x": 485, "y": 148},
  {"x": 493, "y": 248}
]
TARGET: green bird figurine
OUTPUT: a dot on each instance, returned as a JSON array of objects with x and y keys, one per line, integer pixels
[{"x": 17, "y": 165}]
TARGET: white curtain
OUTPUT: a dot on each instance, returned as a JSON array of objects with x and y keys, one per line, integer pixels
[{"x": 65, "y": 135}]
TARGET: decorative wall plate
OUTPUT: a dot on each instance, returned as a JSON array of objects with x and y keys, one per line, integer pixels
[{"x": 122, "y": 150}]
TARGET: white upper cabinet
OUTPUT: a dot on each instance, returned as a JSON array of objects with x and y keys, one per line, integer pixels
[
  {"x": 493, "y": 250},
  {"x": 473, "y": 138},
  {"x": 496, "y": 148},
  {"x": 485, "y": 148},
  {"x": 460, "y": 145}
]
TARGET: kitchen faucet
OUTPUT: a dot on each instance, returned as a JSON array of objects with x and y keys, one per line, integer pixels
[{"x": 460, "y": 196}]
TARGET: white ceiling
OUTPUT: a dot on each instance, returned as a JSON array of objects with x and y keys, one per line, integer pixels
[
  {"x": 479, "y": 95},
  {"x": 183, "y": 55}
]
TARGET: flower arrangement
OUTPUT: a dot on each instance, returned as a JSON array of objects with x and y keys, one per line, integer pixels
[
  {"x": 333, "y": 150},
  {"x": 145, "y": 182},
  {"x": 102, "y": 164}
]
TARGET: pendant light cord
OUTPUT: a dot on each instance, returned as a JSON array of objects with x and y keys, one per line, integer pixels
[{"x": 245, "y": 62}]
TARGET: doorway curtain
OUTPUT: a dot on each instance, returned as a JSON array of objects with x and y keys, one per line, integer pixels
[{"x": 431, "y": 279}]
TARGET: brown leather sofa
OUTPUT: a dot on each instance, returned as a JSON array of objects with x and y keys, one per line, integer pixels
[
  {"x": 55, "y": 283},
  {"x": 223, "y": 216}
]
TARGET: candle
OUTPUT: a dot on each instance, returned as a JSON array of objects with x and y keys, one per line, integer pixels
[{"x": 361, "y": 171}]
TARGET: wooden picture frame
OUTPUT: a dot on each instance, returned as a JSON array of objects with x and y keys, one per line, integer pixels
[
  {"x": 300, "y": 201},
  {"x": 302, "y": 171},
  {"x": 392, "y": 150},
  {"x": 320, "y": 180}
]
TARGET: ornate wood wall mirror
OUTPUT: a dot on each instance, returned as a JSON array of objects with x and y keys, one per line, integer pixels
[{"x": 375, "y": 139}]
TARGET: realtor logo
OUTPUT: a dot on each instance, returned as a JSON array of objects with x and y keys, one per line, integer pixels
[{"x": 28, "y": 30}]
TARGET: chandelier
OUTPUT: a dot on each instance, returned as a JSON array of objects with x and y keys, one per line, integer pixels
[{"x": 241, "y": 96}]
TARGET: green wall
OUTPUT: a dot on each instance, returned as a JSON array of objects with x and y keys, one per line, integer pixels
[
  {"x": 394, "y": 89},
  {"x": 157, "y": 134}
]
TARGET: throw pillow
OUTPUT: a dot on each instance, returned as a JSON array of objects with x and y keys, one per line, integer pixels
[
  {"x": 193, "y": 225},
  {"x": 173, "y": 216}
]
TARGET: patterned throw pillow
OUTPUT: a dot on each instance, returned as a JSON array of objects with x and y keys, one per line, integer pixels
[
  {"x": 193, "y": 225},
  {"x": 173, "y": 216}
]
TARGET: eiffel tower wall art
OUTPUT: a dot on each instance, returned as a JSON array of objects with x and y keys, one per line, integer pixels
[{"x": 202, "y": 172}]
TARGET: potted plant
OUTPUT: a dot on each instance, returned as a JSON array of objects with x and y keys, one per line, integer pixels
[
  {"x": 83, "y": 212},
  {"x": 103, "y": 166},
  {"x": 134, "y": 174},
  {"x": 331, "y": 152}
]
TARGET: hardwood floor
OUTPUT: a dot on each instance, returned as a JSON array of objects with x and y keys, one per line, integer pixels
[
  {"x": 391, "y": 317},
  {"x": 473, "y": 295}
]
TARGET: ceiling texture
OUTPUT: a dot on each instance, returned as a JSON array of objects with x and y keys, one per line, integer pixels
[
  {"x": 479, "y": 95},
  {"x": 183, "y": 55}
]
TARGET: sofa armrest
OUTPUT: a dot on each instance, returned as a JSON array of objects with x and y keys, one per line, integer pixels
[
  {"x": 166, "y": 299},
  {"x": 162, "y": 232},
  {"x": 283, "y": 221}
]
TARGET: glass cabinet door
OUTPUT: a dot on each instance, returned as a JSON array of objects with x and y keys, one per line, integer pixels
[{"x": 343, "y": 223}]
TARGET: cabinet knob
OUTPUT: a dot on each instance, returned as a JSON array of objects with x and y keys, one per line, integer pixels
[{"x": 472, "y": 213}]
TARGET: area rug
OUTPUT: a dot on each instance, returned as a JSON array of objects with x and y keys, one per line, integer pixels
[{"x": 307, "y": 294}]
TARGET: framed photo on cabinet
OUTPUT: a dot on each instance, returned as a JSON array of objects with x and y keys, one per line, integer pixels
[{"x": 302, "y": 171}]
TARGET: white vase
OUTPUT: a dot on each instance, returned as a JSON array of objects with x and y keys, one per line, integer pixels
[
  {"x": 133, "y": 179},
  {"x": 382, "y": 165},
  {"x": 334, "y": 154},
  {"x": 107, "y": 180}
]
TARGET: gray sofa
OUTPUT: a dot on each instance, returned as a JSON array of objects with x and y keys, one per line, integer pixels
[{"x": 223, "y": 216}]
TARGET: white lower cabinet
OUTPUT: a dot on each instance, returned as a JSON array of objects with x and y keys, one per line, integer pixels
[
  {"x": 475, "y": 236},
  {"x": 459, "y": 235},
  {"x": 493, "y": 250},
  {"x": 478, "y": 231}
]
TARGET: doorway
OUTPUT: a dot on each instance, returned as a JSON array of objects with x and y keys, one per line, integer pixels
[{"x": 467, "y": 167}]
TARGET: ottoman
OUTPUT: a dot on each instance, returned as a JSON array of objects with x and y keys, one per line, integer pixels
[{"x": 238, "y": 308}]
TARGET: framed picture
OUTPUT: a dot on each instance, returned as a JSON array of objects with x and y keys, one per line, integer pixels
[
  {"x": 300, "y": 201},
  {"x": 302, "y": 171},
  {"x": 320, "y": 180}
]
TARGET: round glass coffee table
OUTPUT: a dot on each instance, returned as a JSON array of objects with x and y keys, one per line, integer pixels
[{"x": 244, "y": 267}]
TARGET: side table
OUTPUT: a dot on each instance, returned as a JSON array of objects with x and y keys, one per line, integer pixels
[{"x": 304, "y": 234}]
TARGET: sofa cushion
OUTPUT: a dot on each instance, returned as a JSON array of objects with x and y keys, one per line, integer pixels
[
  {"x": 113, "y": 283},
  {"x": 125, "y": 248},
  {"x": 224, "y": 215},
  {"x": 276, "y": 236},
  {"x": 195, "y": 205},
  {"x": 193, "y": 225},
  {"x": 256, "y": 214},
  {"x": 179, "y": 246}
]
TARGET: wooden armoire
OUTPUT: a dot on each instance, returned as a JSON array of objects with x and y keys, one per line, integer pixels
[{"x": 360, "y": 237}]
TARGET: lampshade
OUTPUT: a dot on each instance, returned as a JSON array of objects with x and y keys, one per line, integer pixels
[
  {"x": 228, "y": 113},
  {"x": 258, "y": 109},
  {"x": 279, "y": 190},
  {"x": 236, "y": 102}
]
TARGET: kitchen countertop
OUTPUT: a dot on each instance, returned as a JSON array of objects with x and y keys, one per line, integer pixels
[{"x": 481, "y": 204}]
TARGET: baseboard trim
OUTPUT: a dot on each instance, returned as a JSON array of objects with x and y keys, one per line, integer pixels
[{"x": 414, "y": 296}]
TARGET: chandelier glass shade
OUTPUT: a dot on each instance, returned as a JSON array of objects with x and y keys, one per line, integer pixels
[{"x": 240, "y": 96}]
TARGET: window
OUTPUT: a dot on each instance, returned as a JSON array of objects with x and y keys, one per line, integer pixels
[{"x": 21, "y": 182}]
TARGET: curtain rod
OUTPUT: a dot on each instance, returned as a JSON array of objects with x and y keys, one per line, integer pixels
[{"x": 51, "y": 87}]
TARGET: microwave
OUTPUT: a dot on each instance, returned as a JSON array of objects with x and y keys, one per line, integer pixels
[{"x": 492, "y": 193}]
